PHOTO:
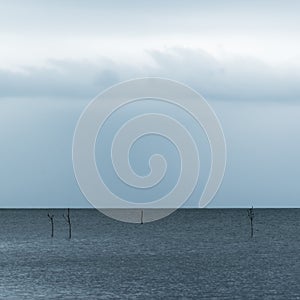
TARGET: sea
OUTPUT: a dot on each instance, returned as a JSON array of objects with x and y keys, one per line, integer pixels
[{"x": 191, "y": 254}]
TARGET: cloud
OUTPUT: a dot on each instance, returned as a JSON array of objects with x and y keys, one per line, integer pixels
[
  {"x": 229, "y": 78},
  {"x": 140, "y": 17},
  {"x": 226, "y": 78},
  {"x": 58, "y": 79}
]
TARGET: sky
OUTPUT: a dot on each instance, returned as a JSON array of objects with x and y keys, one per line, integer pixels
[{"x": 243, "y": 57}]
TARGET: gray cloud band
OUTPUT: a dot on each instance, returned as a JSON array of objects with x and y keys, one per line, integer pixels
[{"x": 93, "y": 118}]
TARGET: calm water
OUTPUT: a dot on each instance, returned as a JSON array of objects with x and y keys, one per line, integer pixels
[{"x": 201, "y": 254}]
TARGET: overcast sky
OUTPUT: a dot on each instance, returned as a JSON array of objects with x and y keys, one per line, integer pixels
[{"x": 242, "y": 56}]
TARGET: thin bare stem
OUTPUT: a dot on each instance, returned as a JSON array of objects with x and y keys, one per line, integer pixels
[
  {"x": 68, "y": 220},
  {"x": 251, "y": 217},
  {"x": 51, "y": 218}
]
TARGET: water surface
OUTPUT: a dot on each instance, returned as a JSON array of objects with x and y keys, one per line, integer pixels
[{"x": 200, "y": 254}]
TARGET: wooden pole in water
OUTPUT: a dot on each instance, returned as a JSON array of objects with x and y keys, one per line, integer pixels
[
  {"x": 142, "y": 217},
  {"x": 68, "y": 220},
  {"x": 251, "y": 216},
  {"x": 51, "y": 218}
]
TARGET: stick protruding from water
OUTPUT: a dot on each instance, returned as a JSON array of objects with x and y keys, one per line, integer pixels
[
  {"x": 68, "y": 220},
  {"x": 251, "y": 217},
  {"x": 51, "y": 218}
]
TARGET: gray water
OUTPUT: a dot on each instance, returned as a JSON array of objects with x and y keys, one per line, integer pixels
[{"x": 200, "y": 254}]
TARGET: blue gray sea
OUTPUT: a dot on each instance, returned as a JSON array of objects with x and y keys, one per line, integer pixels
[{"x": 191, "y": 254}]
